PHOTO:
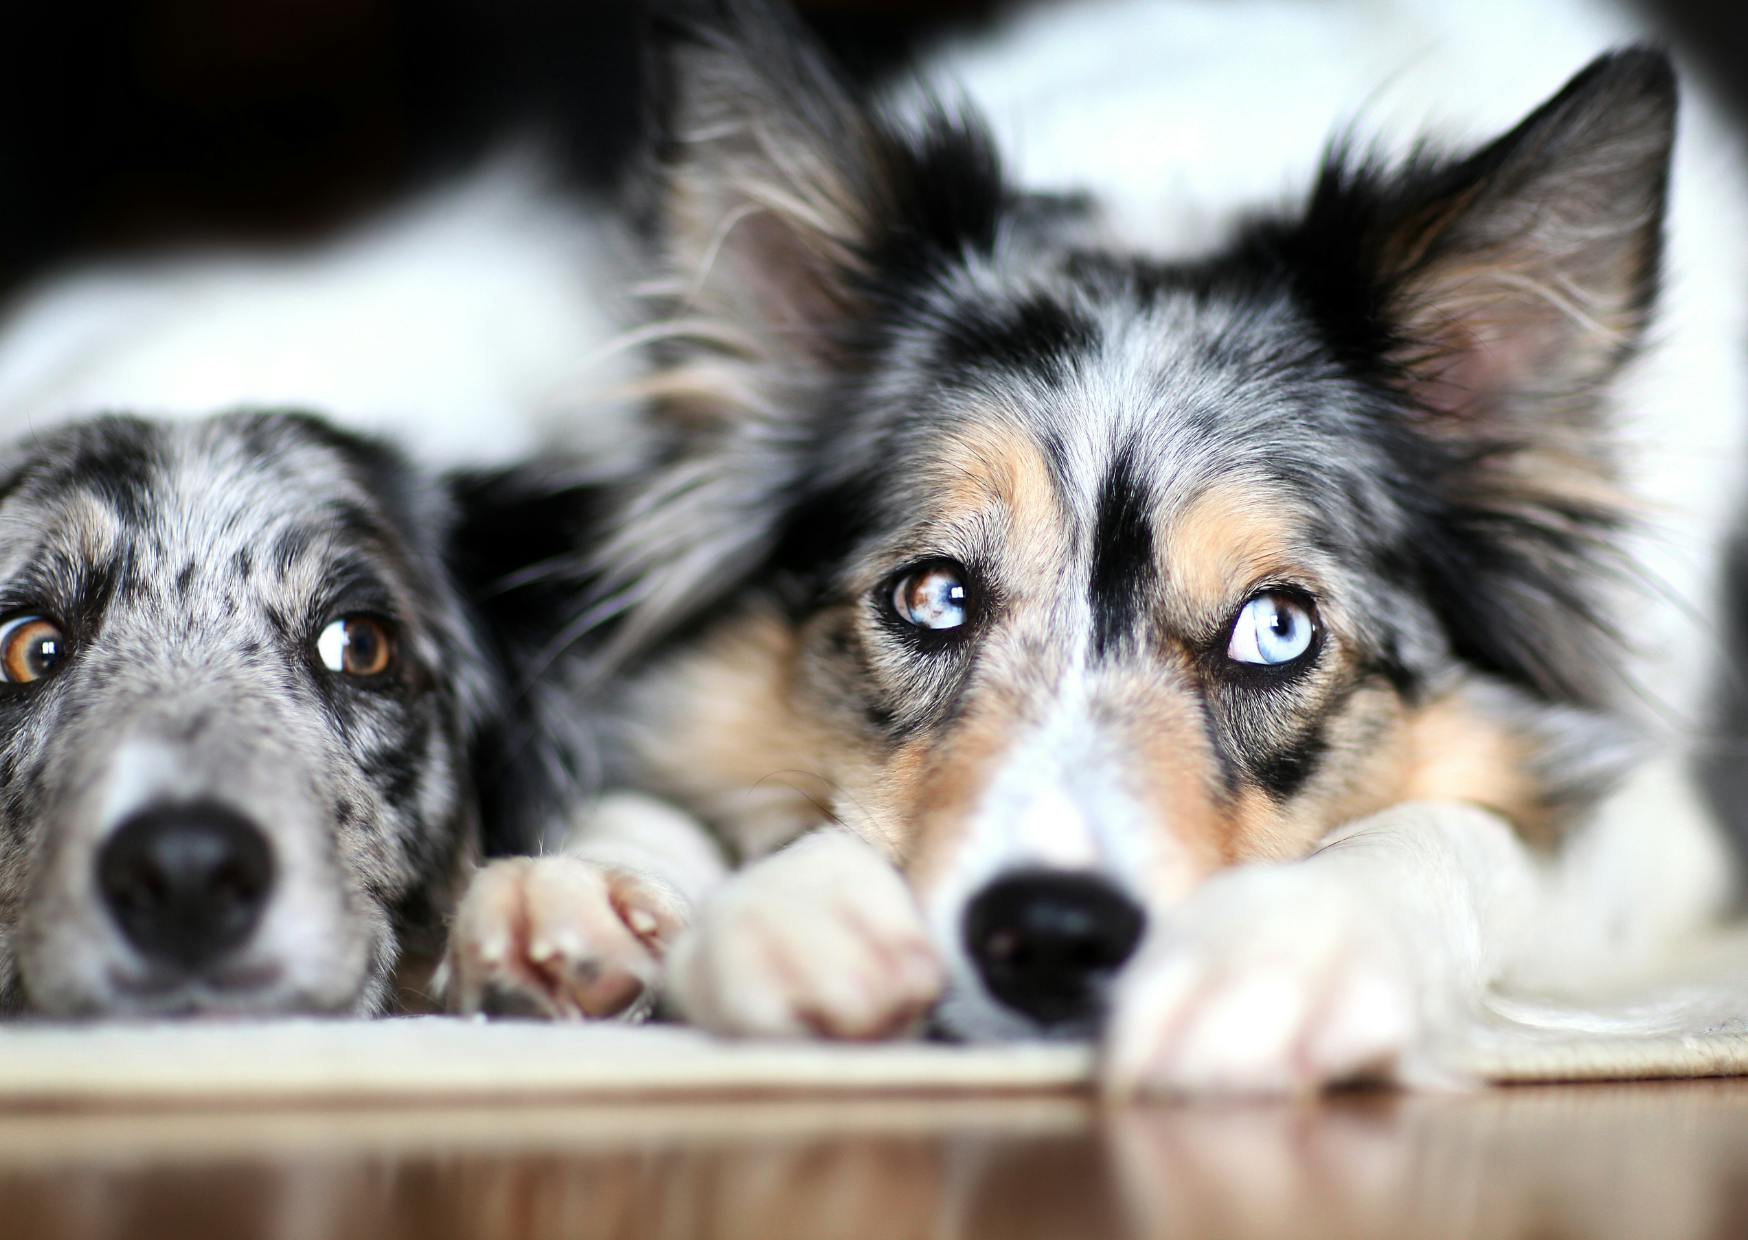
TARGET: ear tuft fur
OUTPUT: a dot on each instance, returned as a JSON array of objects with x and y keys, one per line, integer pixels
[
  {"x": 794, "y": 213},
  {"x": 1520, "y": 286}
]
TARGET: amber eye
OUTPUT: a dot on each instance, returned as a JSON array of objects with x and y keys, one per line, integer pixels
[
  {"x": 32, "y": 648},
  {"x": 357, "y": 646}
]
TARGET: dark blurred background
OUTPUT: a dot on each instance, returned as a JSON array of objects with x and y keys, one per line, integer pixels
[{"x": 256, "y": 119}]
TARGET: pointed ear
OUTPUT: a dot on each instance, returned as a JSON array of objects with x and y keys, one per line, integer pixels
[
  {"x": 1523, "y": 276},
  {"x": 1503, "y": 293},
  {"x": 794, "y": 215},
  {"x": 785, "y": 192},
  {"x": 1493, "y": 300}
]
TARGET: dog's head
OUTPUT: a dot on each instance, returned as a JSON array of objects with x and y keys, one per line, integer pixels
[
  {"x": 1071, "y": 574},
  {"x": 241, "y": 696}
]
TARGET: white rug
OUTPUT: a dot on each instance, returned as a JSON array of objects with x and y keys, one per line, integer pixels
[{"x": 438, "y": 1057}]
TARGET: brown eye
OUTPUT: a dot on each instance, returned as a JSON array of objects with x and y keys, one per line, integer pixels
[
  {"x": 32, "y": 648},
  {"x": 931, "y": 597},
  {"x": 356, "y": 646}
]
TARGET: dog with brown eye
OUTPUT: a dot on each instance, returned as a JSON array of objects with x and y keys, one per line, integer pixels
[{"x": 250, "y": 704}]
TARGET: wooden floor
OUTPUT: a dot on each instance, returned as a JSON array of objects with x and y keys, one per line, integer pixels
[{"x": 1648, "y": 1161}]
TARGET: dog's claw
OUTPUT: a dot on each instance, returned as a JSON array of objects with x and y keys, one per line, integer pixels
[
  {"x": 508, "y": 1003},
  {"x": 561, "y": 938}
]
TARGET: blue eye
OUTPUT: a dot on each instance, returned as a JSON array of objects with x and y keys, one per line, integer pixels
[
  {"x": 932, "y": 597},
  {"x": 1272, "y": 629}
]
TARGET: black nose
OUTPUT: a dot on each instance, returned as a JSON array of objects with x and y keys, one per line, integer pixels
[
  {"x": 1045, "y": 942},
  {"x": 186, "y": 882}
]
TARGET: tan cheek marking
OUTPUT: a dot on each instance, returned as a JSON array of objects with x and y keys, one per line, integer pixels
[
  {"x": 1359, "y": 775},
  {"x": 1222, "y": 541},
  {"x": 722, "y": 732},
  {"x": 1179, "y": 779},
  {"x": 1454, "y": 753},
  {"x": 1260, "y": 829},
  {"x": 950, "y": 778},
  {"x": 930, "y": 789}
]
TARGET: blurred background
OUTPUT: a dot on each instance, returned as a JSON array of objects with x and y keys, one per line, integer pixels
[{"x": 251, "y": 120}]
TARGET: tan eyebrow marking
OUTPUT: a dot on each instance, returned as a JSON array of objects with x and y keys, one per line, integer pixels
[{"x": 1229, "y": 534}]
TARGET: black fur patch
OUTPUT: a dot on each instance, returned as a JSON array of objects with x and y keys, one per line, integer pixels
[
  {"x": 514, "y": 549},
  {"x": 1039, "y": 335},
  {"x": 1125, "y": 568}
]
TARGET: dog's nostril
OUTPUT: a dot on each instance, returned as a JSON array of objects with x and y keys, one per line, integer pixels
[
  {"x": 1045, "y": 941},
  {"x": 186, "y": 882}
]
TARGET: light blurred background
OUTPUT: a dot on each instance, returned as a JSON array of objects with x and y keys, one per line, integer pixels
[{"x": 162, "y": 120}]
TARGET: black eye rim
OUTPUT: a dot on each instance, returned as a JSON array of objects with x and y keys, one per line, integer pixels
[
  {"x": 925, "y": 639},
  {"x": 21, "y": 615},
  {"x": 392, "y": 630},
  {"x": 1270, "y": 675}
]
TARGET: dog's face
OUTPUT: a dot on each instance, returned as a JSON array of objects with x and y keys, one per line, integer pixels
[
  {"x": 237, "y": 694},
  {"x": 1096, "y": 573}
]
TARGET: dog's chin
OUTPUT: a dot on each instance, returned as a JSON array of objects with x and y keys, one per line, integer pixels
[{"x": 256, "y": 990}]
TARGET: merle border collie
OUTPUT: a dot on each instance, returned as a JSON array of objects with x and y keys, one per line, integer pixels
[
  {"x": 1191, "y": 525},
  {"x": 257, "y": 706}
]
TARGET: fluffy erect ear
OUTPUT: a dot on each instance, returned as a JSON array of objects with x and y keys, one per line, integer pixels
[
  {"x": 1531, "y": 279},
  {"x": 1500, "y": 295},
  {"x": 794, "y": 216},
  {"x": 1516, "y": 281},
  {"x": 786, "y": 193}
]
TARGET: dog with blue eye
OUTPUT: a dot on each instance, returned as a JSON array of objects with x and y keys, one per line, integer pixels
[
  {"x": 1163, "y": 539},
  {"x": 254, "y": 700}
]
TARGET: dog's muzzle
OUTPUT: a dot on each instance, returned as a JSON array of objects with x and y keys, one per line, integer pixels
[
  {"x": 186, "y": 882},
  {"x": 1047, "y": 942}
]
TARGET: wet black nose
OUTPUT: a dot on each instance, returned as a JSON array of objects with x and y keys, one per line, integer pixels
[
  {"x": 1045, "y": 942},
  {"x": 186, "y": 882}
]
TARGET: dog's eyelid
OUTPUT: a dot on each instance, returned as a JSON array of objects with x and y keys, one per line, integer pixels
[
  {"x": 13, "y": 606},
  {"x": 373, "y": 609},
  {"x": 372, "y": 601},
  {"x": 1298, "y": 590}
]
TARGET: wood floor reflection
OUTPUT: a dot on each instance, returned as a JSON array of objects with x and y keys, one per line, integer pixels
[{"x": 1667, "y": 1161}]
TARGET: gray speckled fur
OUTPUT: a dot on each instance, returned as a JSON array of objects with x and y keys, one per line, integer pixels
[{"x": 191, "y": 565}]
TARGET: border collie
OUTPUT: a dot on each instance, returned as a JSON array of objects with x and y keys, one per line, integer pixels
[
  {"x": 1169, "y": 532},
  {"x": 254, "y": 700},
  {"x": 268, "y": 683},
  {"x": 240, "y": 690}
]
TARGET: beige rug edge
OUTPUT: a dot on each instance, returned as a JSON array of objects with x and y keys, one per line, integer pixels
[{"x": 436, "y": 1057}]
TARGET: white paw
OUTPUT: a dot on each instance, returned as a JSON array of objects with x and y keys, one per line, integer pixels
[
  {"x": 1265, "y": 982},
  {"x": 822, "y": 939},
  {"x": 561, "y": 938}
]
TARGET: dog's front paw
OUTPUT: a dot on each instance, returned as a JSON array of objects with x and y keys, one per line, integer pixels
[
  {"x": 1266, "y": 982},
  {"x": 561, "y": 938},
  {"x": 823, "y": 938}
]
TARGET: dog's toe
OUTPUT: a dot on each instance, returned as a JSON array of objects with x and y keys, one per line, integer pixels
[{"x": 561, "y": 938}]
